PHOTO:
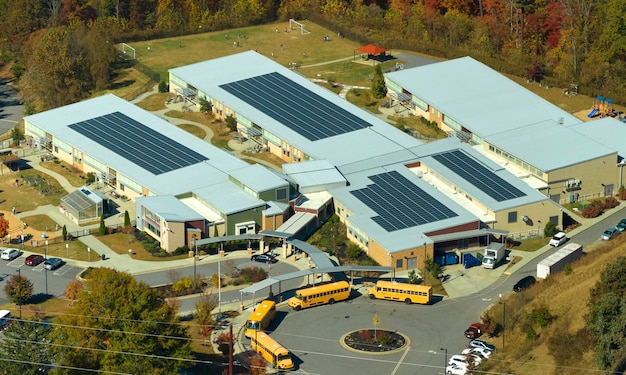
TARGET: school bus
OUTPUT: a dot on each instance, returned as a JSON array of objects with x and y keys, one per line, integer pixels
[
  {"x": 261, "y": 317},
  {"x": 271, "y": 351},
  {"x": 320, "y": 295},
  {"x": 409, "y": 293}
]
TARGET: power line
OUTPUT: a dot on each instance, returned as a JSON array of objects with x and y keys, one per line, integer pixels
[{"x": 64, "y": 367}]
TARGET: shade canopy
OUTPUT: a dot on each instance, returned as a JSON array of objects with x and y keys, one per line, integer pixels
[{"x": 371, "y": 49}]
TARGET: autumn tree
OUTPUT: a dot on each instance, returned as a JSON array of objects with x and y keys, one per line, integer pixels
[
  {"x": 27, "y": 345},
  {"x": 132, "y": 328},
  {"x": 4, "y": 227},
  {"x": 19, "y": 289},
  {"x": 204, "y": 307},
  {"x": 72, "y": 290},
  {"x": 257, "y": 365}
]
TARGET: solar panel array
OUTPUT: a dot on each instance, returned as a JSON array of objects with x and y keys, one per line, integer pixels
[
  {"x": 138, "y": 143},
  {"x": 297, "y": 108},
  {"x": 399, "y": 203},
  {"x": 476, "y": 174}
]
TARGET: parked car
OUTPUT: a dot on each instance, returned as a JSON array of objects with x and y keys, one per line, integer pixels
[
  {"x": 524, "y": 283},
  {"x": 456, "y": 370},
  {"x": 482, "y": 344},
  {"x": 34, "y": 259},
  {"x": 558, "y": 239},
  {"x": 609, "y": 233},
  {"x": 473, "y": 331},
  {"x": 10, "y": 254},
  {"x": 481, "y": 352},
  {"x": 53, "y": 263},
  {"x": 461, "y": 360},
  {"x": 621, "y": 226},
  {"x": 263, "y": 258}
]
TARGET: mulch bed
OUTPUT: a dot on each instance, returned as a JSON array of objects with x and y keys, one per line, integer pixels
[{"x": 364, "y": 340}]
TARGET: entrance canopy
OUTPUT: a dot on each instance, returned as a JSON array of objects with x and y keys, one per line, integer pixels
[{"x": 371, "y": 49}]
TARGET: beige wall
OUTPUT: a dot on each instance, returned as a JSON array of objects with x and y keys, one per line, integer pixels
[
  {"x": 172, "y": 236},
  {"x": 538, "y": 214},
  {"x": 380, "y": 255}
]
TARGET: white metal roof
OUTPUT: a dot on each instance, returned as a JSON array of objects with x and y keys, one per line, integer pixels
[
  {"x": 378, "y": 139},
  {"x": 57, "y": 121},
  {"x": 607, "y": 131},
  {"x": 314, "y": 175},
  {"x": 258, "y": 178},
  {"x": 169, "y": 208},
  {"x": 227, "y": 198}
]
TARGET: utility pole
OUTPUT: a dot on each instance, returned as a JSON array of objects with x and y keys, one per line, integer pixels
[{"x": 230, "y": 351}]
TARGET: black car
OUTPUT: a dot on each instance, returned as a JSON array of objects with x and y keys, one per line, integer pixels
[
  {"x": 524, "y": 283},
  {"x": 53, "y": 263},
  {"x": 263, "y": 258}
]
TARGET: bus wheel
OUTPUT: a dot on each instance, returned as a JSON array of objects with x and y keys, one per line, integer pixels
[
  {"x": 372, "y": 296},
  {"x": 297, "y": 308},
  {"x": 331, "y": 301},
  {"x": 407, "y": 301}
]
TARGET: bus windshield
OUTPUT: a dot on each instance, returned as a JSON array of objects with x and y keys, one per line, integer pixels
[
  {"x": 298, "y": 296},
  {"x": 253, "y": 325},
  {"x": 283, "y": 357}
]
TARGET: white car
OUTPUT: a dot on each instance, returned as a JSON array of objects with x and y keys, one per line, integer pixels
[
  {"x": 461, "y": 360},
  {"x": 10, "y": 254},
  {"x": 481, "y": 352},
  {"x": 456, "y": 370},
  {"x": 558, "y": 239}
]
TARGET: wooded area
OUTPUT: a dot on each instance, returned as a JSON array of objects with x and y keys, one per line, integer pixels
[{"x": 63, "y": 49}]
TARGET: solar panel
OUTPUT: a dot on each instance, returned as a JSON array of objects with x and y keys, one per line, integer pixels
[
  {"x": 138, "y": 143},
  {"x": 399, "y": 203},
  {"x": 294, "y": 106},
  {"x": 478, "y": 175}
]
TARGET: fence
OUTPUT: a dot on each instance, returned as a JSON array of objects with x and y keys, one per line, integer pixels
[
  {"x": 154, "y": 76},
  {"x": 526, "y": 235},
  {"x": 138, "y": 91}
]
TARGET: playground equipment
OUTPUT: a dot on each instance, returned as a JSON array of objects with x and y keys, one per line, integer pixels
[{"x": 602, "y": 107}]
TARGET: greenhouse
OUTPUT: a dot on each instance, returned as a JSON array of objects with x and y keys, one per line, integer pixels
[{"x": 83, "y": 205}]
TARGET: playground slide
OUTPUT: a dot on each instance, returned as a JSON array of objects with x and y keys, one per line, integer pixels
[{"x": 593, "y": 113}]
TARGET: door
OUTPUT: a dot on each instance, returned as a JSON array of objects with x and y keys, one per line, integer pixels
[
  {"x": 411, "y": 263},
  {"x": 608, "y": 190}
]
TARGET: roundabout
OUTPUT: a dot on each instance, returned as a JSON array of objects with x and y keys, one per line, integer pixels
[{"x": 374, "y": 341}]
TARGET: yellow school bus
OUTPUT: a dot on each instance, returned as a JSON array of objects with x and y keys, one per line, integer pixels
[
  {"x": 271, "y": 350},
  {"x": 409, "y": 293},
  {"x": 261, "y": 317},
  {"x": 320, "y": 295}
]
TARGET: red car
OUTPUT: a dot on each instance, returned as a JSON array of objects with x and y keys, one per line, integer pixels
[
  {"x": 33, "y": 260},
  {"x": 473, "y": 331}
]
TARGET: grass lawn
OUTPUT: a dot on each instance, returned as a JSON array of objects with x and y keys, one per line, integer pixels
[
  {"x": 27, "y": 197},
  {"x": 194, "y": 130},
  {"x": 40, "y": 222},
  {"x": 122, "y": 242},
  {"x": 532, "y": 244},
  {"x": 418, "y": 124},
  {"x": 73, "y": 175},
  {"x": 154, "y": 102},
  {"x": 170, "y": 53},
  {"x": 364, "y": 99}
]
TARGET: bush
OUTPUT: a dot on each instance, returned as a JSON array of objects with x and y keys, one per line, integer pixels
[
  {"x": 183, "y": 284},
  {"x": 593, "y": 210},
  {"x": 541, "y": 316},
  {"x": 610, "y": 202},
  {"x": 567, "y": 270},
  {"x": 163, "y": 86},
  {"x": 353, "y": 252},
  {"x": 549, "y": 230}
]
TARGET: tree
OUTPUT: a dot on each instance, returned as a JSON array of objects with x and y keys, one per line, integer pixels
[
  {"x": 206, "y": 106},
  {"x": 64, "y": 233},
  {"x": 4, "y": 226},
  {"x": 205, "y": 305},
  {"x": 19, "y": 289},
  {"x": 125, "y": 316},
  {"x": 224, "y": 342},
  {"x": 257, "y": 365},
  {"x": 126, "y": 219},
  {"x": 72, "y": 289},
  {"x": 607, "y": 315},
  {"x": 379, "y": 90},
  {"x": 231, "y": 123},
  {"x": 103, "y": 228},
  {"x": 17, "y": 135},
  {"x": 413, "y": 277},
  {"x": 27, "y": 344},
  {"x": 549, "y": 230}
]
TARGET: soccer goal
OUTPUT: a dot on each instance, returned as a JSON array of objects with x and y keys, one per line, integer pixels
[
  {"x": 126, "y": 52},
  {"x": 297, "y": 25}
]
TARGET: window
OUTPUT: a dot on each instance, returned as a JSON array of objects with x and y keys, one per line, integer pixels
[
  {"x": 491, "y": 148},
  {"x": 398, "y": 263},
  {"x": 554, "y": 220},
  {"x": 513, "y": 217},
  {"x": 281, "y": 194}
]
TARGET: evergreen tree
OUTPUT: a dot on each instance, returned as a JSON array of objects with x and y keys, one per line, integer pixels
[
  {"x": 379, "y": 90},
  {"x": 103, "y": 228},
  {"x": 27, "y": 344},
  {"x": 126, "y": 219},
  {"x": 64, "y": 233}
]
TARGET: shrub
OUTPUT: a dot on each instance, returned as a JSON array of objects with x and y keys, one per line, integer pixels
[
  {"x": 531, "y": 334},
  {"x": 610, "y": 202},
  {"x": 163, "y": 86},
  {"x": 365, "y": 335},
  {"x": 541, "y": 316},
  {"x": 183, "y": 284},
  {"x": 215, "y": 280},
  {"x": 223, "y": 342},
  {"x": 550, "y": 229},
  {"x": 567, "y": 270},
  {"x": 353, "y": 252},
  {"x": 413, "y": 278},
  {"x": 592, "y": 210},
  {"x": 254, "y": 274}
]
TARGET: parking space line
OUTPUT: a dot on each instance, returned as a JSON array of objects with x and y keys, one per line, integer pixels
[
  {"x": 63, "y": 270},
  {"x": 401, "y": 360}
]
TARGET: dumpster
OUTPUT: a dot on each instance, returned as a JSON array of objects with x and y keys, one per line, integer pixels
[{"x": 452, "y": 258}]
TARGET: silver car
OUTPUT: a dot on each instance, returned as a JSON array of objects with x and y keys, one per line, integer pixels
[
  {"x": 10, "y": 254},
  {"x": 608, "y": 234}
]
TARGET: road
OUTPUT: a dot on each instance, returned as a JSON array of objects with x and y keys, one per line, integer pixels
[
  {"x": 11, "y": 109},
  {"x": 313, "y": 335}
]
